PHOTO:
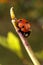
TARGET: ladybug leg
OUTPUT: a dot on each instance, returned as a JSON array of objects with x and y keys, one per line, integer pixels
[
  {"x": 29, "y": 33},
  {"x": 19, "y": 30}
]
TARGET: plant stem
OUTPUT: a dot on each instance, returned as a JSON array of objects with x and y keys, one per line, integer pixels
[{"x": 26, "y": 45}]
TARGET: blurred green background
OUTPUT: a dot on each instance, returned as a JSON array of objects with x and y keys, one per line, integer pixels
[{"x": 12, "y": 52}]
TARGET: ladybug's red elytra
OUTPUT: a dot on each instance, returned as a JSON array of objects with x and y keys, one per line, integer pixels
[{"x": 24, "y": 27}]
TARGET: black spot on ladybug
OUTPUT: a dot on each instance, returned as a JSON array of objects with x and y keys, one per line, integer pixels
[
  {"x": 20, "y": 20},
  {"x": 27, "y": 22},
  {"x": 22, "y": 26}
]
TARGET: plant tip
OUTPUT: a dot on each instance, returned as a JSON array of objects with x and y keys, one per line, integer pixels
[{"x": 12, "y": 13}]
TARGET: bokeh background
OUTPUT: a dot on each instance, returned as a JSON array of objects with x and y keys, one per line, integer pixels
[{"x": 12, "y": 51}]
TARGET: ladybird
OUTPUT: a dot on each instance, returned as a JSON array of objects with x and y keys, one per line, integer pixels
[{"x": 24, "y": 27}]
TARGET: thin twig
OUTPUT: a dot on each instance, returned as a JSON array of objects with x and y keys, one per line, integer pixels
[{"x": 24, "y": 41}]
